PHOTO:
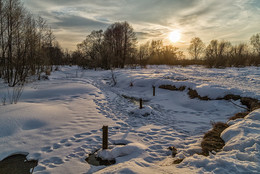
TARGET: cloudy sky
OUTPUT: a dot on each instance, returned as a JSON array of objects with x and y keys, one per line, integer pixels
[{"x": 72, "y": 20}]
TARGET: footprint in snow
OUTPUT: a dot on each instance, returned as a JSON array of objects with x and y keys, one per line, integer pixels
[
  {"x": 39, "y": 168},
  {"x": 68, "y": 144},
  {"x": 152, "y": 133},
  {"x": 56, "y": 146},
  {"x": 63, "y": 140},
  {"x": 93, "y": 131},
  {"x": 151, "y": 159},
  {"x": 169, "y": 138},
  {"x": 46, "y": 149},
  {"x": 52, "y": 162},
  {"x": 56, "y": 160},
  {"x": 72, "y": 139},
  {"x": 155, "y": 130},
  {"x": 86, "y": 133},
  {"x": 78, "y": 135},
  {"x": 155, "y": 147}
]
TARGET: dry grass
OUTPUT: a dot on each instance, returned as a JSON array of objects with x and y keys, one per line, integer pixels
[
  {"x": 212, "y": 140},
  {"x": 230, "y": 97},
  {"x": 251, "y": 103},
  {"x": 178, "y": 161},
  {"x": 239, "y": 115},
  {"x": 172, "y": 87},
  {"x": 194, "y": 94},
  {"x": 174, "y": 151}
]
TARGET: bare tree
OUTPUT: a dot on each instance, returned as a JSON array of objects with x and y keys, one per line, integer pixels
[
  {"x": 211, "y": 53},
  {"x": 129, "y": 45},
  {"x": 217, "y": 53},
  {"x": 169, "y": 54},
  {"x": 196, "y": 48},
  {"x": 143, "y": 53},
  {"x": 41, "y": 55},
  {"x": 156, "y": 47},
  {"x": 91, "y": 48},
  {"x": 3, "y": 41},
  {"x": 160, "y": 54},
  {"x": 22, "y": 44},
  {"x": 255, "y": 42},
  {"x": 120, "y": 40},
  {"x": 15, "y": 73},
  {"x": 238, "y": 55}
]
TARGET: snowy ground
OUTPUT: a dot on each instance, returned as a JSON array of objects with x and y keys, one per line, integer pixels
[{"x": 59, "y": 121}]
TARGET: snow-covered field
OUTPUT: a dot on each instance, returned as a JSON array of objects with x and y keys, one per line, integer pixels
[{"x": 58, "y": 121}]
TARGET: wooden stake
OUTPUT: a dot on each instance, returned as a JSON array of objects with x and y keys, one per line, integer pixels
[
  {"x": 153, "y": 90},
  {"x": 105, "y": 137},
  {"x": 141, "y": 103}
]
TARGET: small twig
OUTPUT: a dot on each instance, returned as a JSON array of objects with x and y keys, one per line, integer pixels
[
  {"x": 238, "y": 105},
  {"x": 113, "y": 77}
]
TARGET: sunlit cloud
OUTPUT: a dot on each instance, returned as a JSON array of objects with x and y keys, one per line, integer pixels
[{"x": 233, "y": 20}]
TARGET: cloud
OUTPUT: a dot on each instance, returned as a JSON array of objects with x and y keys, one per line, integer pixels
[
  {"x": 152, "y": 19},
  {"x": 78, "y": 21}
]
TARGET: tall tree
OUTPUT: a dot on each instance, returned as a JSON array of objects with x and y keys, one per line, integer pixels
[
  {"x": 238, "y": 55},
  {"x": 196, "y": 48},
  {"x": 91, "y": 48},
  {"x": 217, "y": 53},
  {"x": 120, "y": 39},
  {"x": 156, "y": 47},
  {"x": 23, "y": 43},
  {"x": 255, "y": 42},
  {"x": 3, "y": 41},
  {"x": 143, "y": 53}
]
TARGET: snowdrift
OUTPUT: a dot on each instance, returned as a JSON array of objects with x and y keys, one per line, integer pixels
[{"x": 241, "y": 153}]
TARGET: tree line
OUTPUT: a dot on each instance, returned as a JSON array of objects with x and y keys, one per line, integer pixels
[
  {"x": 117, "y": 47},
  {"x": 224, "y": 54},
  {"x": 27, "y": 44}
]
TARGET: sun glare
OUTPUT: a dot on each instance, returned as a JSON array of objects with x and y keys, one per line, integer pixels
[{"x": 175, "y": 36}]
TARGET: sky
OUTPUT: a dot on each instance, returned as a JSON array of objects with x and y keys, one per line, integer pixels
[{"x": 73, "y": 20}]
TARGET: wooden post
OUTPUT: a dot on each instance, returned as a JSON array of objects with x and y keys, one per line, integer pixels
[
  {"x": 141, "y": 103},
  {"x": 153, "y": 90},
  {"x": 105, "y": 137}
]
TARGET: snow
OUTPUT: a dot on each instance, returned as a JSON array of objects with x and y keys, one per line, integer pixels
[
  {"x": 144, "y": 112},
  {"x": 241, "y": 152},
  {"x": 59, "y": 121},
  {"x": 243, "y": 134},
  {"x": 121, "y": 150}
]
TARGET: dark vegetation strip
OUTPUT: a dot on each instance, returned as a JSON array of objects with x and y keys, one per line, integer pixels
[
  {"x": 239, "y": 115},
  {"x": 250, "y": 103},
  {"x": 172, "y": 87},
  {"x": 212, "y": 140}
]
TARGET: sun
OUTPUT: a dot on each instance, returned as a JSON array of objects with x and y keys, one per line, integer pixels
[{"x": 175, "y": 36}]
